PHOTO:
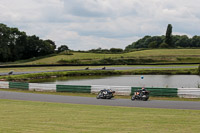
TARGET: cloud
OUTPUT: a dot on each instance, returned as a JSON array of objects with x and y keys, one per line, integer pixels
[{"x": 86, "y": 24}]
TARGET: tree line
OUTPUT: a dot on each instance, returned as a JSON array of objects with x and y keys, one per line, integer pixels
[
  {"x": 106, "y": 51},
  {"x": 16, "y": 45},
  {"x": 166, "y": 41}
]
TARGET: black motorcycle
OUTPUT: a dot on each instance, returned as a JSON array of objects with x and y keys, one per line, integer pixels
[
  {"x": 105, "y": 94},
  {"x": 140, "y": 95}
]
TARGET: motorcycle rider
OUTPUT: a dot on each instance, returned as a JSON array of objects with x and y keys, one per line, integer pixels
[
  {"x": 140, "y": 91},
  {"x": 141, "y": 94}
]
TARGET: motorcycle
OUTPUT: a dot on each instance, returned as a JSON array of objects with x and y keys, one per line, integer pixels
[
  {"x": 140, "y": 95},
  {"x": 105, "y": 94}
]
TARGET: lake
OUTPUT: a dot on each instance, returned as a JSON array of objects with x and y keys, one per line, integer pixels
[{"x": 176, "y": 81}]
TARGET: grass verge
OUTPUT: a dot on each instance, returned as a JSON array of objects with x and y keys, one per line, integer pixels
[
  {"x": 41, "y": 117},
  {"x": 168, "y": 71}
]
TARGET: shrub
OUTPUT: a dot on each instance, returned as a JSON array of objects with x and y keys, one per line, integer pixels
[
  {"x": 164, "y": 45},
  {"x": 153, "y": 44}
]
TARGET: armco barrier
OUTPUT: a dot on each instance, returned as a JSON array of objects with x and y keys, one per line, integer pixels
[
  {"x": 73, "y": 88},
  {"x": 19, "y": 85},
  {"x": 96, "y": 88},
  {"x": 189, "y": 92},
  {"x": 4, "y": 84},
  {"x": 42, "y": 87},
  {"x": 119, "y": 90},
  {"x": 168, "y": 92}
]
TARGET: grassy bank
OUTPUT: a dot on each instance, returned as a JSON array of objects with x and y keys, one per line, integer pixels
[
  {"x": 25, "y": 69},
  {"x": 136, "y": 57},
  {"x": 41, "y": 117},
  {"x": 100, "y": 72}
]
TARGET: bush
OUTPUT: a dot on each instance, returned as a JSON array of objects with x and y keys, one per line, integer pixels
[
  {"x": 152, "y": 44},
  {"x": 74, "y": 61},
  {"x": 164, "y": 45}
]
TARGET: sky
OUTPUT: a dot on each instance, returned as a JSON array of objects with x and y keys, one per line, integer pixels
[{"x": 91, "y": 24}]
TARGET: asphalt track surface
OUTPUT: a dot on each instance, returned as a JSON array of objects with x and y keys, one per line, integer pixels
[
  {"x": 107, "y": 68},
  {"x": 93, "y": 101}
]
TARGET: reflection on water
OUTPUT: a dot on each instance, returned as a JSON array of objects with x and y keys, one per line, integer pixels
[{"x": 177, "y": 81}]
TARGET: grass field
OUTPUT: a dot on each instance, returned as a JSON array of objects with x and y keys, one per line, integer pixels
[
  {"x": 41, "y": 117},
  {"x": 170, "y": 55}
]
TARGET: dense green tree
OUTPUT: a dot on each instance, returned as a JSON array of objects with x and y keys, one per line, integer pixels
[
  {"x": 62, "y": 48},
  {"x": 164, "y": 45},
  {"x": 116, "y": 50},
  {"x": 168, "y": 37},
  {"x": 145, "y": 41},
  {"x": 195, "y": 41},
  {"x": 16, "y": 45},
  {"x": 5, "y": 53},
  {"x": 48, "y": 47},
  {"x": 142, "y": 43},
  {"x": 152, "y": 44},
  {"x": 177, "y": 41},
  {"x": 183, "y": 41}
]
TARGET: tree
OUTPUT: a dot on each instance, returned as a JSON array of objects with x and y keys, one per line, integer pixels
[
  {"x": 16, "y": 45},
  {"x": 183, "y": 41},
  {"x": 168, "y": 37},
  {"x": 195, "y": 41},
  {"x": 116, "y": 50},
  {"x": 152, "y": 44},
  {"x": 164, "y": 45},
  {"x": 62, "y": 48}
]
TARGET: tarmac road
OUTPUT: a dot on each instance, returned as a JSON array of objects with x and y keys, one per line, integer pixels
[{"x": 94, "y": 101}]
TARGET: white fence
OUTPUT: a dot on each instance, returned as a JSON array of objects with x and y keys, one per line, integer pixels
[
  {"x": 119, "y": 90},
  {"x": 189, "y": 92},
  {"x": 4, "y": 84},
  {"x": 42, "y": 87}
]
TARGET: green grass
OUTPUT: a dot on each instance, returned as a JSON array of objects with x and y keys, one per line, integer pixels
[
  {"x": 166, "y": 55},
  {"x": 25, "y": 69},
  {"x": 43, "y": 117}
]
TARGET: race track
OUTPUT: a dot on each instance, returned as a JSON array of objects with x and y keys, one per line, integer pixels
[{"x": 94, "y": 101}]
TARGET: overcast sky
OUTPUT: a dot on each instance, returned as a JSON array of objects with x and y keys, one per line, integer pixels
[{"x": 88, "y": 24}]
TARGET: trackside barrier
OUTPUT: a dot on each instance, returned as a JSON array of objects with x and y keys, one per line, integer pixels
[
  {"x": 19, "y": 85},
  {"x": 4, "y": 84},
  {"x": 189, "y": 92},
  {"x": 42, "y": 87},
  {"x": 73, "y": 88},
  {"x": 168, "y": 92},
  {"x": 96, "y": 88},
  {"x": 119, "y": 90}
]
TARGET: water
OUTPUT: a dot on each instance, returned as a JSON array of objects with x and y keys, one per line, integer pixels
[{"x": 176, "y": 81}]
